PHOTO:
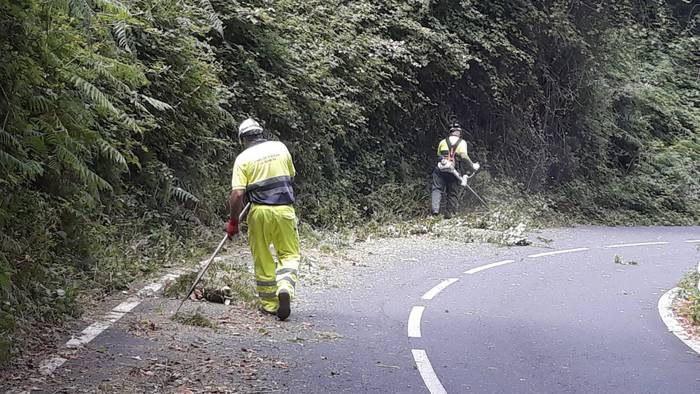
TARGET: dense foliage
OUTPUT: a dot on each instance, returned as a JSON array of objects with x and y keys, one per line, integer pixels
[{"x": 116, "y": 118}]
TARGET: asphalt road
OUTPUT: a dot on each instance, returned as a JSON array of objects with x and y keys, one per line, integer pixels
[
  {"x": 569, "y": 322},
  {"x": 422, "y": 315}
]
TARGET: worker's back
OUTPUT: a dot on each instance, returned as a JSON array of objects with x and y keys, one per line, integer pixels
[{"x": 265, "y": 170}]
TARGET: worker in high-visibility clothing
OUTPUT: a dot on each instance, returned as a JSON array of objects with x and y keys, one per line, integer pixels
[
  {"x": 262, "y": 174},
  {"x": 447, "y": 175}
]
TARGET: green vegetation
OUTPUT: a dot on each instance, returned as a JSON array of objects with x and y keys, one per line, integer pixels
[
  {"x": 116, "y": 120},
  {"x": 224, "y": 280},
  {"x": 196, "y": 319},
  {"x": 690, "y": 295}
]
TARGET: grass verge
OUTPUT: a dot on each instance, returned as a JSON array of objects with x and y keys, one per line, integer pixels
[{"x": 689, "y": 307}]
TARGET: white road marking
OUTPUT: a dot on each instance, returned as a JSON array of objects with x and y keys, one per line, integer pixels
[
  {"x": 438, "y": 288},
  {"x": 487, "y": 266},
  {"x": 155, "y": 287},
  {"x": 427, "y": 373},
  {"x": 667, "y": 315},
  {"x": 95, "y": 329},
  {"x": 693, "y": 241},
  {"x": 637, "y": 244},
  {"x": 127, "y": 305},
  {"x": 557, "y": 252},
  {"x": 48, "y": 366},
  {"x": 414, "y": 321}
]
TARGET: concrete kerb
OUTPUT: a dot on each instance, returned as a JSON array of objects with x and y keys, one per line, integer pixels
[{"x": 673, "y": 323}]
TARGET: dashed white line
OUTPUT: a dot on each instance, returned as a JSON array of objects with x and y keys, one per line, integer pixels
[
  {"x": 636, "y": 244},
  {"x": 693, "y": 241},
  {"x": 487, "y": 266},
  {"x": 558, "y": 252},
  {"x": 438, "y": 288},
  {"x": 414, "y": 321},
  {"x": 427, "y": 372},
  {"x": 666, "y": 312}
]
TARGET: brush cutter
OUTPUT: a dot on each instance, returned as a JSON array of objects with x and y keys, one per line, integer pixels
[
  {"x": 204, "y": 268},
  {"x": 466, "y": 184}
]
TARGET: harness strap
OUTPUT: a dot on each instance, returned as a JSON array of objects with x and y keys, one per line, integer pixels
[{"x": 452, "y": 149}]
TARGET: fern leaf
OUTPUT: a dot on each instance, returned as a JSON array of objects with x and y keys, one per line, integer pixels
[
  {"x": 39, "y": 104},
  {"x": 31, "y": 169},
  {"x": 112, "y": 154},
  {"x": 80, "y": 9},
  {"x": 112, "y": 6},
  {"x": 212, "y": 16},
  {"x": 183, "y": 195},
  {"x": 85, "y": 174},
  {"x": 92, "y": 92},
  {"x": 28, "y": 170},
  {"x": 8, "y": 139},
  {"x": 157, "y": 104},
  {"x": 9, "y": 245},
  {"x": 9, "y": 162},
  {"x": 103, "y": 70},
  {"x": 130, "y": 122},
  {"x": 121, "y": 36}
]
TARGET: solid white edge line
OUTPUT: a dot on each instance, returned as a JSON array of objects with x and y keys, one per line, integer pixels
[
  {"x": 414, "y": 321},
  {"x": 127, "y": 306},
  {"x": 487, "y": 266},
  {"x": 427, "y": 372},
  {"x": 693, "y": 241},
  {"x": 95, "y": 329},
  {"x": 557, "y": 252},
  {"x": 669, "y": 318},
  {"x": 49, "y": 365},
  {"x": 438, "y": 288},
  {"x": 637, "y": 244}
]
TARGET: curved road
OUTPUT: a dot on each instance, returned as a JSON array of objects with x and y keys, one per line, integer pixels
[{"x": 566, "y": 318}]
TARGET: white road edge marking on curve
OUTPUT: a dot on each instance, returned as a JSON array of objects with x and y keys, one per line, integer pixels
[
  {"x": 427, "y": 372},
  {"x": 438, "y": 288},
  {"x": 669, "y": 318},
  {"x": 414, "y": 321},
  {"x": 557, "y": 252},
  {"x": 693, "y": 241},
  {"x": 487, "y": 266},
  {"x": 637, "y": 244}
]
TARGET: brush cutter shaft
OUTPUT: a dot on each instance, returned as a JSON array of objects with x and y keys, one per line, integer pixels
[{"x": 204, "y": 268}]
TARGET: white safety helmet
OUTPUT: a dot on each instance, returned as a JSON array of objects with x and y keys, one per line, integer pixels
[{"x": 249, "y": 127}]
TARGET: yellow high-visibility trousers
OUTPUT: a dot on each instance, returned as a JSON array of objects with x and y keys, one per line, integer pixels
[{"x": 276, "y": 225}]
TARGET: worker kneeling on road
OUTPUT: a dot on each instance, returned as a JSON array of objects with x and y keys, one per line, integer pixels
[
  {"x": 452, "y": 154},
  {"x": 263, "y": 175}
]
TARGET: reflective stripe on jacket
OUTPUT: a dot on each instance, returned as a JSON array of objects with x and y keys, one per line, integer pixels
[{"x": 265, "y": 171}]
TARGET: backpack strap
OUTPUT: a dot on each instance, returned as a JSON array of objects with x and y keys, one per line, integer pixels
[{"x": 452, "y": 149}]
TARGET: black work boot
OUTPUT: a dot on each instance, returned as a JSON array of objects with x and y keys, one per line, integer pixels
[{"x": 285, "y": 307}]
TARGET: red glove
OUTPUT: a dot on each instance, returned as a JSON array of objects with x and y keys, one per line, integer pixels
[{"x": 232, "y": 227}]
